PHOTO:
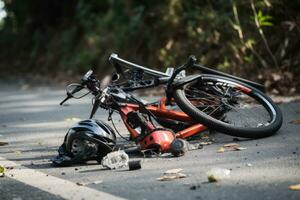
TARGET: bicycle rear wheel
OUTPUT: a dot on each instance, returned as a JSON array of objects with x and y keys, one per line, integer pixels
[{"x": 229, "y": 106}]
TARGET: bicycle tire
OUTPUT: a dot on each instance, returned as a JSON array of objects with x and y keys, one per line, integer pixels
[{"x": 260, "y": 131}]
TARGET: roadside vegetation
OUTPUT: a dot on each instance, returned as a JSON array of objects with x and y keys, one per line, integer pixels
[{"x": 255, "y": 39}]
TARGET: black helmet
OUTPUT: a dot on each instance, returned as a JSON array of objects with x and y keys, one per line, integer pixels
[{"x": 86, "y": 140}]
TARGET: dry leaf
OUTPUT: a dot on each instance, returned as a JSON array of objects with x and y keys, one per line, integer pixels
[
  {"x": 294, "y": 187},
  {"x": 212, "y": 179},
  {"x": 239, "y": 148},
  {"x": 3, "y": 143},
  {"x": 296, "y": 121},
  {"x": 231, "y": 145},
  {"x": 173, "y": 171},
  {"x": 205, "y": 136},
  {"x": 2, "y": 171},
  {"x": 87, "y": 183},
  {"x": 217, "y": 174},
  {"x": 206, "y": 143},
  {"x": 221, "y": 150},
  {"x": 170, "y": 177}
]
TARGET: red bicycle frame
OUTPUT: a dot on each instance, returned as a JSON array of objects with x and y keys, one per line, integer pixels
[{"x": 162, "y": 138}]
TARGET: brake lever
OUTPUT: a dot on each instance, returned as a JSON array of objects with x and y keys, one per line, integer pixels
[
  {"x": 95, "y": 107},
  {"x": 66, "y": 99},
  {"x": 70, "y": 95}
]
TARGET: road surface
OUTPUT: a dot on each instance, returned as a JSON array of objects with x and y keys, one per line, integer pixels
[{"x": 34, "y": 125}]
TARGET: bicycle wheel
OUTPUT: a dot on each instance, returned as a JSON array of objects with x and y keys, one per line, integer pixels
[{"x": 229, "y": 106}]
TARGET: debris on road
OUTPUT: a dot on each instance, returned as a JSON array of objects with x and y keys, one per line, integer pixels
[
  {"x": 296, "y": 121},
  {"x": 134, "y": 164},
  {"x": 249, "y": 165},
  {"x": 216, "y": 174},
  {"x": 87, "y": 183},
  {"x": 9, "y": 167},
  {"x": 115, "y": 160},
  {"x": 194, "y": 146},
  {"x": 97, "y": 182},
  {"x": 171, "y": 177},
  {"x": 240, "y": 148},
  {"x": 3, "y": 143},
  {"x": 221, "y": 150},
  {"x": 2, "y": 171},
  {"x": 206, "y": 143},
  {"x": 194, "y": 187},
  {"x": 172, "y": 174},
  {"x": 173, "y": 171},
  {"x": 294, "y": 187},
  {"x": 230, "y": 147}
]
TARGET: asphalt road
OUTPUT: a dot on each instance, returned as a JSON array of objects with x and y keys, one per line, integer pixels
[{"x": 34, "y": 125}]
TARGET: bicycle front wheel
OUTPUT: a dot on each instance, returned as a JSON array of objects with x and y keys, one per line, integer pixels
[{"x": 229, "y": 106}]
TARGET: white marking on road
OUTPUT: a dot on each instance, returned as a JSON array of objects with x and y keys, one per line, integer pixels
[{"x": 53, "y": 185}]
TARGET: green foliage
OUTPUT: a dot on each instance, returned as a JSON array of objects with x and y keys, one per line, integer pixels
[
  {"x": 264, "y": 20},
  {"x": 54, "y": 36}
]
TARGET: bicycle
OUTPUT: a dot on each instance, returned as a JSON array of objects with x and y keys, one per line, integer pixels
[
  {"x": 227, "y": 90},
  {"x": 204, "y": 98}
]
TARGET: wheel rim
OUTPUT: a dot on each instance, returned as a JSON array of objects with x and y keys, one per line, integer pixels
[{"x": 230, "y": 103}]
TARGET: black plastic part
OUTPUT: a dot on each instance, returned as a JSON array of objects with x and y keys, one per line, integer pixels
[
  {"x": 134, "y": 165},
  {"x": 95, "y": 108},
  {"x": 66, "y": 99}
]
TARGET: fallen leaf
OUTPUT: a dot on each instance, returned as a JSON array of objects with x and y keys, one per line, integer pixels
[
  {"x": 240, "y": 148},
  {"x": 3, "y": 143},
  {"x": 205, "y": 136},
  {"x": 212, "y": 179},
  {"x": 294, "y": 187},
  {"x": 206, "y": 143},
  {"x": 296, "y": 121},
  {"x": 79, "y": 184},
  {"x": 221, "y": 150},
  {"x": 170, "y": 177},
  {"x": 231, "y": 145},
  {"x": 2, "y": 171},
  {"x": 173, "y": 171},
  {"x": 217, "y": 174}
]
